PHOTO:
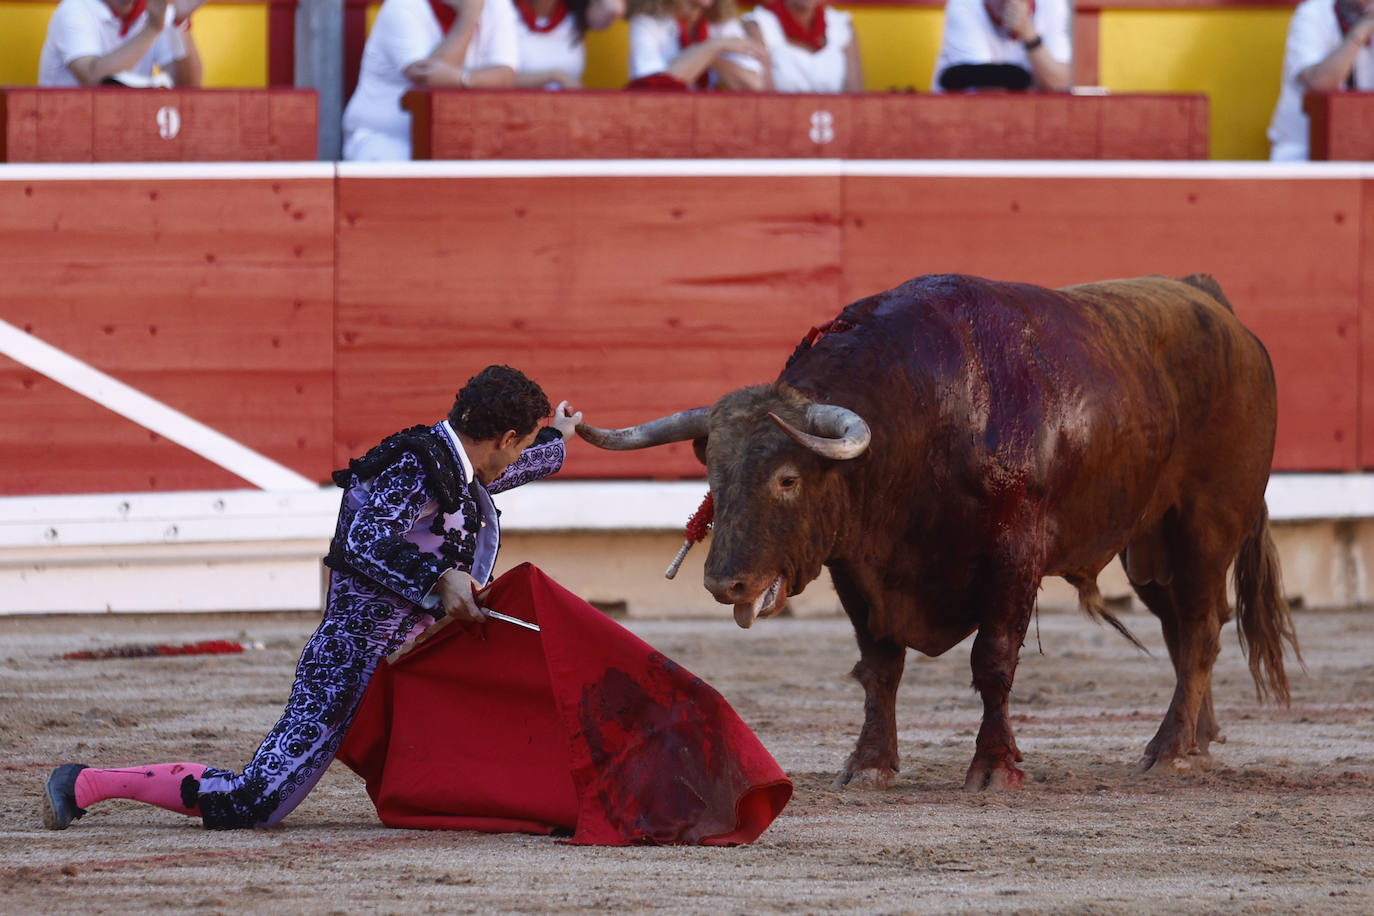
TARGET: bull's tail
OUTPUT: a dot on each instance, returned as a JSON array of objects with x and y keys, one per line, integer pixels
[{"x": 1263, "y": 620}]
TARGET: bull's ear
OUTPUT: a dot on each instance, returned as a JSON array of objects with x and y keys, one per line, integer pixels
[{"x": 699, "y": 448}]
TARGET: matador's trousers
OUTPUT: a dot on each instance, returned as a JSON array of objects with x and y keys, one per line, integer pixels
[{"x": 363, "y": 623}]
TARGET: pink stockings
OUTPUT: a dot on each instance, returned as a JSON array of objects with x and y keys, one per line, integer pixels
[{"x": 159, "y": 784}]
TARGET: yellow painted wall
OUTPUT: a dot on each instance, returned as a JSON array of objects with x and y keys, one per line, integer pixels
[
  {"x": 1235, "y": 56},
  {"x": 232, "y": 38}
]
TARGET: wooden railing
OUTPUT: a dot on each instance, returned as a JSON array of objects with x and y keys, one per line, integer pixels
[
  {"x": 157, "y": 125},
  {"x": 1340, "y": 125},
  {"x": 457, "y": 124}
]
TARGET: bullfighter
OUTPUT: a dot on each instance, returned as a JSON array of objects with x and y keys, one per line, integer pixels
[{"x": 417, "y": 535}]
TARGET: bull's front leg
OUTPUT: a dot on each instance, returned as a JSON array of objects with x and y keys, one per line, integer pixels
[
  {"x": 996, "y": 649},
  {"x": 874, "y": 761}
]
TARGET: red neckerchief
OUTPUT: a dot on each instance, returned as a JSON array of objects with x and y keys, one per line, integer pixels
[
  {"x": 695, "y": 35},
  {"x": 699, "y": 33},
  {"x": 127, "y": 20},
  {"x": 526, "y": 9},
  {"x": 813, "y": 38},
  {"x": 997, "y": 19},
  {"x": 444, "y": 13}
]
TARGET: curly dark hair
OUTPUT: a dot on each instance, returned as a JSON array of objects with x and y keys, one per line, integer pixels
[{"x": 497, "y": 399}]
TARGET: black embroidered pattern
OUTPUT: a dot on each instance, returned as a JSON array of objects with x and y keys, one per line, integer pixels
[
  {"x": 441, "y": 465},
  {"x": 444, "y": 477}
]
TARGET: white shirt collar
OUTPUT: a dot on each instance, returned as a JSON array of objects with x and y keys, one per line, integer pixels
[{"x": 458, "y": 447}]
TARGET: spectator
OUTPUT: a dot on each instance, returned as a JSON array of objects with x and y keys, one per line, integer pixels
[
  {"x": 1006, "y": 44},
  {"x": 552, "y": 33},
  {"x": 684, "y": 44},
  {"x": 95, "y": 42},
  {"x": 811, "y": 46},
  {"x": 417, "y": 536},
  {"x": 464, "y": 44},
  {"x": 1328, "y": 49}
]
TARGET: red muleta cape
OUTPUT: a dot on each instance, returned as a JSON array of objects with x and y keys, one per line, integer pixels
[{"x": 582, "y": 727}]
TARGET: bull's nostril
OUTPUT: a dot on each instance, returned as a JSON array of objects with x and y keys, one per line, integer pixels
[{"x": 726, "y": 590}]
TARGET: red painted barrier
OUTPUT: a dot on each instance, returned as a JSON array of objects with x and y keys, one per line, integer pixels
[
  {"x": 1340, "y": 125},
  {"x": 212, "y": 296},
  {"x": 308, "y": 317},
  {"x": 157, "y": 125},
  {"x": 460, "y": 124}
]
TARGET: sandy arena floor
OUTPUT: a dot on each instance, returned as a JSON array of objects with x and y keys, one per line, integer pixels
[{"x": 1283, "y": 823}]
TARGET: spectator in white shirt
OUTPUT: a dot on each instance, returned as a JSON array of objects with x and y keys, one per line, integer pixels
[
  {"x": 128, "y": 42},
  {"x": 693, "y": 44},
  {"x": 552, "y": 38},
  {"x": 811, "y": 46},
  {"x": 986, "y": 43},
  {"x": 466, "y": 44},
  {"x": 1328, "y": 49}
]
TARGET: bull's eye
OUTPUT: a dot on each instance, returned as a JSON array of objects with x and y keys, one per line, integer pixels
[{"x": 786, "y": 482}]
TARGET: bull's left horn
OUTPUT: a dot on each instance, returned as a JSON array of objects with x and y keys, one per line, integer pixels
[
  {"x": 840, "y": 432},
  {"x": 678, "y": 427}
]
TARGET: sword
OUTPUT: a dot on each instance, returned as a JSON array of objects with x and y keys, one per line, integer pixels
[{"x": 497, "y": 615}]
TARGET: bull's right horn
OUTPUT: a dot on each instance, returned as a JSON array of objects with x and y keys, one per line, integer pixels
[
  {"x": 841, "y": 433},
  {"x": 678, "y": 427}
]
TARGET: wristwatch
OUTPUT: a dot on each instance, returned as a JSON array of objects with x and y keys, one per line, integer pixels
[{"x": 1034, "y": 43}]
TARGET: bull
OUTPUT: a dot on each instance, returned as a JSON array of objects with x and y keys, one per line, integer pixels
[{"x": 948, "y": 443}]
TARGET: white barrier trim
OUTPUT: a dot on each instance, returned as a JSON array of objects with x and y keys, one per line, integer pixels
[
  {"x": 247, "y": 515},
  {"x": 899, "y": 168},
  {"x": 164, "y": 171},
  {"x": 133, "y": 404},
  {"x": 689, "y": 168}
]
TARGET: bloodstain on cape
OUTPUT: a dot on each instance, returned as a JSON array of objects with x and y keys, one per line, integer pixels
[{"x": 582, "y": 728}]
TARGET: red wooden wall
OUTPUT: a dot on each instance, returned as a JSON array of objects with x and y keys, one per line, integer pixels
[
  {"x": 214, "y": 297},
  {"x": 308, "y": 317}
]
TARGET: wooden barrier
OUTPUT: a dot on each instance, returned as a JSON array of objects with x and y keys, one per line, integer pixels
[
  {"x": 213, "y": 296},
  {"x": 514, "y": 124},
  {"x": 640, "y": 295},
  {"x": 1340, "y": 126},
  {"x": 157, "y": 125},
  {"x": 306, "y": 315}
]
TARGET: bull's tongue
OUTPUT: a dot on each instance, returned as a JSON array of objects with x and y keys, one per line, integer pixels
[{"x": 746, "y": 614}]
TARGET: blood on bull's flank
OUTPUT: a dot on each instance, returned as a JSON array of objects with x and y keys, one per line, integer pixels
[{"x": 945, "y": 444}]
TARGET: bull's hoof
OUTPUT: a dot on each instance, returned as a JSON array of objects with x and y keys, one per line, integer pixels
[
  {"x": 993, "y": 776},
  {"x": 872, "y": 778},
  {"x": 1173, "y": 764}
]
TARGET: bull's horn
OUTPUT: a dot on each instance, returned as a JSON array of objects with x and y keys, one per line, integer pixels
[
  {"x": 840, "y": 432},
  {"x": 688, "y": 424}
]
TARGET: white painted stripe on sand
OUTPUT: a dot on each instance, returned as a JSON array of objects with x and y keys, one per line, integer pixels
[{"x": 129, "y": 402}]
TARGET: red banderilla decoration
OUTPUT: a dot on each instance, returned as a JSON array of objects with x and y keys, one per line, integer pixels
[{"x": 697, "y": 527}]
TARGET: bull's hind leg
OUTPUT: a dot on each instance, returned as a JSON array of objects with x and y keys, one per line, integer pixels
[{"x": 1191, "y": 613}]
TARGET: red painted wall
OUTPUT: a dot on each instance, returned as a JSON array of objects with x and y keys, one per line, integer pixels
[
  {"x": 308, "y": 318},
  {"x": 214, "y": 297}
]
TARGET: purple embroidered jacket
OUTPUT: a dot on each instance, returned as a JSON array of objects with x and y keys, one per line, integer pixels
[{"x": 393, "y": 530}]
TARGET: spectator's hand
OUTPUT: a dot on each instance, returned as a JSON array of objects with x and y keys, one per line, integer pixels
[
  {"x": 1016, "y": 19},
  {"x": 457, "y": 595},
  {"x": 467, "y": 7},
  {"x": 184, "y": 8},
  {"x": 565, "y": 420},
  {"x": 602, "y": 13},
  {"x": 1361, "y": 32},
  {"x": 157, "y": 14},
  {"x": 729, "y": 44}
]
